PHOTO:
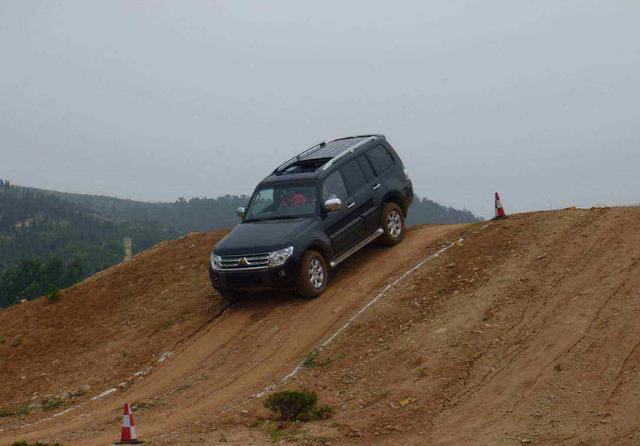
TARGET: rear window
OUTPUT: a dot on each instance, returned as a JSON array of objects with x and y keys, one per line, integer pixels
[
  {"x": 353, "y": 176},
  {"x": 380, "y": 159}
]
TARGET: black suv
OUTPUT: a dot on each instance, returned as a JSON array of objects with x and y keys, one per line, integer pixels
[{"x": 311, "y": 213}]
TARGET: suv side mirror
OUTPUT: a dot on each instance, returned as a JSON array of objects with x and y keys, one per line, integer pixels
[
  {"x": 333, "y": 204},
  {"x": 240, "y": 211}
]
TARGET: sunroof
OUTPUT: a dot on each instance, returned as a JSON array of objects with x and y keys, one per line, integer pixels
[{"x": 304, "y": 166}]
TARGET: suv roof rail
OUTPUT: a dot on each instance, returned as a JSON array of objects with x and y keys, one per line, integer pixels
[
  {"x": 350, "y": 149},
  {"x": 359, "y": 136},
  {"x": 298, "y": 157}
]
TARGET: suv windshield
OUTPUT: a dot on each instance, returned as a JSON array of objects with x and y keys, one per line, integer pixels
[{"x": 282, "y": 200}]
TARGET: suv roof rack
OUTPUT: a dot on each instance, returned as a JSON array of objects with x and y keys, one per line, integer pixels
[
  {"x": 329, "y": 151},
  {"x": 352, "y": 149}
]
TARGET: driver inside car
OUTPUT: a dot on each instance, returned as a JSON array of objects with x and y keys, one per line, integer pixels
[{"x": 293, "y": 199}]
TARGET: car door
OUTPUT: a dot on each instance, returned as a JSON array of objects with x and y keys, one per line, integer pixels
[
  {"x": 371, "y": 215},
  {"x": 360, "y": 194},
  {"x": 344, "y": 226}
]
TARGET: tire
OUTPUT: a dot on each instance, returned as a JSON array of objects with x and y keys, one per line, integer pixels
[
  {"x": 392, "y": 224},
  {"x": 313, "y": 275},
  {"x": 229, "y": 296}
]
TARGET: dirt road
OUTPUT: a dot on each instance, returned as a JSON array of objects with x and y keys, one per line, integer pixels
[{"x": 106, "y": 330}]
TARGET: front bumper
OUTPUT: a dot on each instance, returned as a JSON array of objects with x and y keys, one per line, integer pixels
[{"x": 281, "y": 277}]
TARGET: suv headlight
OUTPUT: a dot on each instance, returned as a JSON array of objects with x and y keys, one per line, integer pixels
[
  {"x": 277, "y": 258},
  {"x": 216, "y": 262}
]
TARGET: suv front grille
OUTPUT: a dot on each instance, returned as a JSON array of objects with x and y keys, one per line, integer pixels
[{"x": 246, "y": 261}]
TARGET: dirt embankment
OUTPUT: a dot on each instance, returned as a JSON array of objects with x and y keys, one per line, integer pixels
[{"x": 527, "y": 332}]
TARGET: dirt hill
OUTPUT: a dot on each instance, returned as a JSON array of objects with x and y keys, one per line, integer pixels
[{"x": 526, "y": 331}]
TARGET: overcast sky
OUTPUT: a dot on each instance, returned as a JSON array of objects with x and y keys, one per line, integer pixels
[{"x": 153, "y": 100}]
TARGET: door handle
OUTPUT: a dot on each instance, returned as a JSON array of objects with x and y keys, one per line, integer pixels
[
  {"x": 351, "y": 205},
  {"x": 376, "y": 187}
]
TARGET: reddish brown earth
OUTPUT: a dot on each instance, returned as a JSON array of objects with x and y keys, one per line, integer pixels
[{"x": 527, "y": 332}]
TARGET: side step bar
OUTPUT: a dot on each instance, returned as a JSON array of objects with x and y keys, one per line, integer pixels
[{"x": 362, "y": 243}]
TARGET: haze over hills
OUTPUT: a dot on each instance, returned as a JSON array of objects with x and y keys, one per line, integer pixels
[{"x": 51, "y": 240}]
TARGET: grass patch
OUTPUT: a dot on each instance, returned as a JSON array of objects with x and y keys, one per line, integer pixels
[
  {"x": 37, "y": 443},
  {"x": 53, "y": 296},
  {"x": 297, "y": 406},
  {"x": 312, "y": 360},
  {"x": 149, "y": 404},
  {"x": 53, "y": 403},
  {"x": 16, "y": 342},
  {"x": 280, "y": 432},
  {"x": 18, "y": 411}
]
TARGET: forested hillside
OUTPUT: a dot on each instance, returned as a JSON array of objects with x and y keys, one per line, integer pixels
[
  {"x": 194, "y": 215},
  {"x": 44, "y": 237}
]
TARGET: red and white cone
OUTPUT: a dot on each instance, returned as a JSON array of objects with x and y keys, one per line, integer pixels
[
  {"x": 128, "y": 434},
  {"x": 499, "y": 209}
]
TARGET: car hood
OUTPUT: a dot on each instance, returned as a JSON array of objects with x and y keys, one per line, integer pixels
[{"x": 261, "y": 236}]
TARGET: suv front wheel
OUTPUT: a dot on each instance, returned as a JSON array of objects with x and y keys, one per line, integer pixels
[
  {"x": 313, "y": 275},
  {"x": 392, "y": 224}
]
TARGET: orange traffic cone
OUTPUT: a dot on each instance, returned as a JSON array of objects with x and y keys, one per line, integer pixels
[
  {"x": 128, "y": 434},
  {"x": 499, "y": 209}
]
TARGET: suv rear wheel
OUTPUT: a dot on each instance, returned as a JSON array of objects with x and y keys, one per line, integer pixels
[
  {"x": 313, "y": 275},
  {"x": 392, "y": 224}
]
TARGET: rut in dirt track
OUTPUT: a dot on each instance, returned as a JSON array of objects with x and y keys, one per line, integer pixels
[{"x": 105, "y": 330}]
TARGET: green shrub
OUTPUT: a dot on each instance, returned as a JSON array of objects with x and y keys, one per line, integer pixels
[
  {"x": 52, "y": 403},
  {"x": 297, "y": 406},
  {"x": 311, "y": 358},
  {"x": 53, "y": 296}
]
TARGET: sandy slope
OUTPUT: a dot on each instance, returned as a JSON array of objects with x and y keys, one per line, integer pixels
[
  {"x": 527, "y": 332},
  {"x": 105, "y": 330}
]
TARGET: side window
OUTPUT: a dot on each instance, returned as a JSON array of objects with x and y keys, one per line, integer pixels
[
  {"x": 380, "y": 158},
  {"x": 334, "y": 187},
  {"x": 353, "y": 176},
  {"x": 366, "y": 167}
]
